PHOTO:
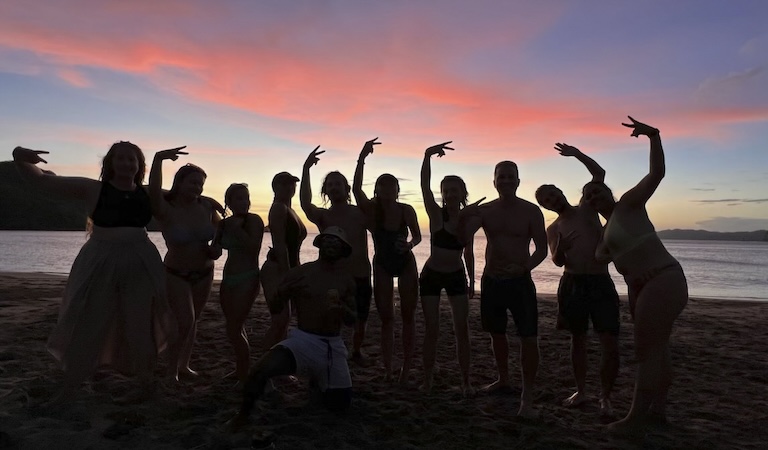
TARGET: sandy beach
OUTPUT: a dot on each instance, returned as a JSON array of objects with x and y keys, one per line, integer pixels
[{"x": 719, "y": 399}]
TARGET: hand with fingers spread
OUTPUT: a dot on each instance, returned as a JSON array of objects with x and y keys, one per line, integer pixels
[
  {"x": 368, "y": 147},
  {"x": 567, "y": 150},
  {"x": 639, "y": 128},
  {"x": 312, "y": 159},
  {"x": 438, "y": 149},
  {"x": 25, "y": 155},
  {"x": 172, "y": 153},
  {"x": 473, "y": 209}
]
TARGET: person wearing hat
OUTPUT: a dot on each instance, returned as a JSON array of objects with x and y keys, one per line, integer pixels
[
  {"x": 323, "y": 292},
  {"x": 336, "y": 188},
  {"x": 288, "y": 232}
]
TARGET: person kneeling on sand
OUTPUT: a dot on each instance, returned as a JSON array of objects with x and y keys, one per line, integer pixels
[{"x": 324, "y": 294}]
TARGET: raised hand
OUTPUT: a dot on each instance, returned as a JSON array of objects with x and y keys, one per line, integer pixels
[
  {"x": 473, "y": 209},
  {"x": 368, "y": 147},
  {"x": 639, "y": 128},
  {"x": 567, "y": 150},
  {"x": 438, "y": 149},
  {"x": 172, "y": 153},
  {"x": 29, "y": 156},
  {"x": 312, "y": 159}
]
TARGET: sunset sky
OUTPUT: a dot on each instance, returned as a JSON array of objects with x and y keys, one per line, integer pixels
[{"x": 251, "y": 87}]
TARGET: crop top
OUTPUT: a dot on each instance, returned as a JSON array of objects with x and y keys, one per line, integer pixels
[{"x": 116, "y": 208}]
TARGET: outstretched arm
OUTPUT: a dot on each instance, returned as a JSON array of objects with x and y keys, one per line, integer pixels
[
  {"x": 598, "y": 173},
  {"x": 357, "y": 183},
  {"x": 426, "y": 174},
  {"x": 470, "y": 220},
  {"x": 26, "y": 161},
  {"x": 640, "y": 194},
  {"x": 305, "y": 191},
  {"x": 156, "y": 197}
]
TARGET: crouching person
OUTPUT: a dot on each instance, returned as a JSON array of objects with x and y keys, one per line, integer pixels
[{"x": 323, "y": 293}]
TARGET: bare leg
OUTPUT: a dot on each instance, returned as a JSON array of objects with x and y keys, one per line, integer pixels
[
  {"x": 460, "y": 312},
  {"x": 579, "y": 363},
  {"x": 180, "y": 301},
  {"x": 236, "y": 303},
  {"x": 383, "y": 291},
  {"x": 500, "y": 347},
  {"x": 609, "y": 369},
  {"x": 408, "y": 287},
  {"x": 430, "y": 306},
  {"x": 200, "y": 291},
  {"x": 529, "y": 362}
]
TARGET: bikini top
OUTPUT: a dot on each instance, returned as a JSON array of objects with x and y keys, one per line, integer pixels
[
  {"x": 619, "y": 241},
  {"x": 443, "y": 238},
  {"x": 384, "y": 238},
  {"x": 227, "y": 241},
  {"x": 116, "y": 208}
]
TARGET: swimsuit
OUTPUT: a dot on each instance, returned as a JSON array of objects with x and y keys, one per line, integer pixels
[
  {"x": 386, "y": 254},
  {"x": 581, "y": 296},
  {"x": 116, "y": 208},
  {"x": 228, "y": 242},
  {"x": 431, "y": 282},
  {"x": 190, "y": 276},
  {"x": 619, "y": 241},
  {"x": 443, "y": 238},
  {"x": 518, "y": 295}
]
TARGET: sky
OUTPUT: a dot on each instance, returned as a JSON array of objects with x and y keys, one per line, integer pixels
[{"x": 251, "y": 87}]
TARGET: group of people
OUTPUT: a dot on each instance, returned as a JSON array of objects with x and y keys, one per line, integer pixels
[{"x": 123, "y": 305}]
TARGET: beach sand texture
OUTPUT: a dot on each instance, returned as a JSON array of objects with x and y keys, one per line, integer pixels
[{"x": 719, "y": 399}]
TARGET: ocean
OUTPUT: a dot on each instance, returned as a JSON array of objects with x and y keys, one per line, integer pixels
[{"x": 714, "y": 269}]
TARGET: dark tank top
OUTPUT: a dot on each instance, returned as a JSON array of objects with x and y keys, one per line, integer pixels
[{"x": 117, "y": 208}]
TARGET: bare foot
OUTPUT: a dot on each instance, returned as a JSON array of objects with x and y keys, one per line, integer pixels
[
  {"x": 403, "y": 377},
  {"x": 575, "y": 400},
  {"x": 188, "y": 373},
  {"x": 606, "y": 409},
  {"x": 467, "y": 391},
  {"x": 527, "y": 411},
  {"x": 626, "y": 428},
  {"x": 498, "y": 387}
]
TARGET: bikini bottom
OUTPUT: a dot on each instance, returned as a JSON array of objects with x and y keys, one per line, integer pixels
[{"x": 190, "y": 276}]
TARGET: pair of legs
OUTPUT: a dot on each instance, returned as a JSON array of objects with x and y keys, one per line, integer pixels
[
  {"x": 609, "y": 369},
  {"x": 657, "y": 304},
  {"x": 187, "y": 298},
  {"x": 518, "y": 296},
  {"x": 430, "y": 306},
  {"x": 237, "y": 297},
  {"x": 383, "y": 293},
  {"x": 278, "y": 326}
]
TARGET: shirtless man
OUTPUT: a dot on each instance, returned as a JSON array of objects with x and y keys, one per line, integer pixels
[
  {"x": 351, "y": 219},
  {"x": 509, "y": 223},
  {"x": 586, "y": 289},
  {"x": 324, "y": 294}
]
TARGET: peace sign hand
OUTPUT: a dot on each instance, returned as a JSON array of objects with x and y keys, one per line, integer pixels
[
  {"x": 312, "y": 159},
  {"x": 25, "y": 155},
  {"x": 368, "y": 147},
  {"x": 438, "y": 149},
  {"x": 473, "y": 209},
  {"x": 172, "y": 153},
  {"x": 567, "y": 150},
  {"x": 639, "y": 128}
]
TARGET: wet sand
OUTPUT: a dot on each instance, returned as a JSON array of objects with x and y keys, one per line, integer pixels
[{"x": 719, "y": 399}]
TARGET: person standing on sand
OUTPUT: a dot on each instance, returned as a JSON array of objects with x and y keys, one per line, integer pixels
[
  {"x": 323, "y": 292},
  {"x": 241, "y": 235},
  {"x": 658, "y": 291},
  {"x": 586, "y": 288},
  {"x": 114, "y": 311},
  {"x": 510, "y": 223},
  {"x": 445, "y": 270},
  {"x": 352, "y": 220},
  {"x": 188, "y": 222},
  {"x": 288, "y": 232},
  {"x": 390, "y": 222}
]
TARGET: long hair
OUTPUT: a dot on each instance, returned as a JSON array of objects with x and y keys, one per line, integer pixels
[
  {"x": 347, "y": 187},
  {"x": 107, "y": 163},
  {"x": 182, "y": 173},
  {"x": 464, "y": 197},
  {"x": 383, "y": 178}
]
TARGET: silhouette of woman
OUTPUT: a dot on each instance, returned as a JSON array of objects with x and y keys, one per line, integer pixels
[
  {"x": 444, "y": 269},
  {"x": 188, "y": 222},
  {"x": 657, "y": 288},
  {"x": 114, "y": 310},
  {"x": 391, "y": 222}
]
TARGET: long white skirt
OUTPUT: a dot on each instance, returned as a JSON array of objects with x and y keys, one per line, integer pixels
[{"x": 114, "y": 311}]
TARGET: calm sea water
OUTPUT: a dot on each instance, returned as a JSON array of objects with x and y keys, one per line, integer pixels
[{"x": 718, "y": 269}]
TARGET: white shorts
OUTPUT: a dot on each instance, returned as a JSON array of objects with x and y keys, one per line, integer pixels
[{"x": 323, "y": 358}]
